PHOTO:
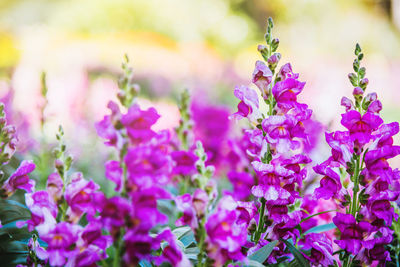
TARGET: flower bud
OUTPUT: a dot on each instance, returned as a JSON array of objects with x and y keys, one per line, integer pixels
[
  {"x": 353, "y": 79},
  {"x": 363, "y": 83}
]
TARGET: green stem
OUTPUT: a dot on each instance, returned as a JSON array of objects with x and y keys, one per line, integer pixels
[
  {"x": 201, "y": 244},
  {"x": 116, "y": 260},
  {"x": 260, "y": 226},
  {"x": 356, "y": 188},
  {"x": 316, "y": 214}
]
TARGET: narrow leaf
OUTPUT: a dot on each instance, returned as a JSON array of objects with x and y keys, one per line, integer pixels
[
  {"x": 252, "y": 263},
  {"x": 187, "y": 239},
  {"x": 321, "y": 228},
  {"x": 298, "y": 257},
  {"x": 263, "y": 253}
]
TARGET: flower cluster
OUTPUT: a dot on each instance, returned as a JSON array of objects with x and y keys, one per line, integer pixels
[
  {"x": 144, "y": 167},
  {"x": 55, "y": 213},
  {"x": 275, "y": 151},
  {"x": 362, "y": 151},
  {"x": 200, "y": 195}
]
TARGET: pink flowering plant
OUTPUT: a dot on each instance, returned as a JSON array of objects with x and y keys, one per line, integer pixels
[{"x": 201, "y": 194}]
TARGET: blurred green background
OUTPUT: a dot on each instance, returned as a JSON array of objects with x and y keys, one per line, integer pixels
[{"x": 208, "y": 46}]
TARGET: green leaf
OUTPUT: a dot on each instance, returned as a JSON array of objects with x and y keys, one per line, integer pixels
[
  {"x": 252, "y": 263},
  {"x": 180, "y": 231},
  {"x": 187, "y": 239},
  {"x": 298, "y": 257},
  {"x": 321, "y": 228},
  {"x": 263, "y": 253},
  {"x": 316, "y": 214},
  {"x": 145, "y": 263},
  {"x": 11, "y": 211}
]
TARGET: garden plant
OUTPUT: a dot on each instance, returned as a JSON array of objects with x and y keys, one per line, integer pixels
[{"x": 208, "y": 193}]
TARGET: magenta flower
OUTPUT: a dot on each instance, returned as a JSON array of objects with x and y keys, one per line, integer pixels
[
  {"x": 148, "y": 165},
  {"x": 138, "y": 246},
  {"x": 347, "y": 103},
  {"x": 352, "y": 232},
  {"x": 114, "y": 173},
  {"x": 248, "y": 106},
  {"x": 88, "y": 257},
  {"x": 242, "y": 183},
  {"x": 184, "y": 162},
  {"x": 106, "y": 129},
  {"x": 200, "y": 202},
  {"x": 330, "y": 184},
  {"x": 278, "y": 132},
  {"x": 138, "y": 123},
  {"x": 376, "y": 160},
  {"x": 321, "y": 249},
  {"x": 184, "y": 203},
  {"x": 277, "y": 200},
  {"x": 262, "y": 77},
  {"x": 61, "y": 243},
  {"x": 294, "y": 164},
  {"x": 20, "y": 179},
  {"x": 208, "y": 120},
  {"x": 285, "y": 225},
  {"x": 247, "y": 212},
  {"x": 361, "y": 127},
  {"x": 375, "y": 246},
  {"x": 172, "y": 252},
  {"x": 286, "y": 91},
  {"x": 271, "y": 174},
  {"x": 114, "y": 211},
  {"x": 54, "y": 186},
  {"x": 225, "y": 236},
  {"x": 81, "y": 196},
  {"x": 384, "y": 135},
  {"x": 286, "y": 72},
  {"x": 43, "y": 211},
  {"x": 144, "y": 212},
  {"x": 378, "y": 207},
  {"x": 342, "y": 146},
  {"x": 92, "y": 235},
  {"x": 40, "y": 252}
]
